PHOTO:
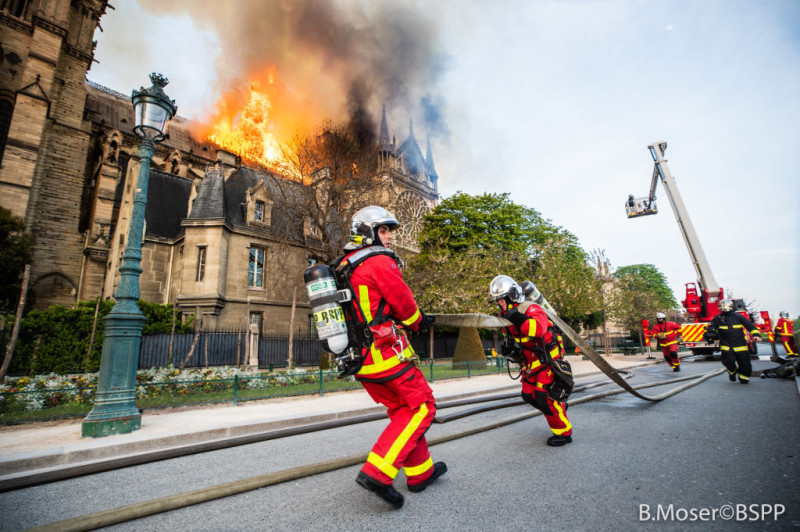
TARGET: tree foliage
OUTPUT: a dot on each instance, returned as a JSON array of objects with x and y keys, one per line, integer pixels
[
  {"x": 338, "y": 167},
  {"x": 638, "y": 292},
  {"x": 57, "y": 339},
  {"x": 467, "y": 240},
  {"x": 15, "y": 253}
]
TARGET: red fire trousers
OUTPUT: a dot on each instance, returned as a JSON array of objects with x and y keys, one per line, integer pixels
[
  {"x": 670, "y": 353},
  {"x": 534, "y": 392},
  {"x": 411, "y": 408},
  {"x": 788, "y": 344}
]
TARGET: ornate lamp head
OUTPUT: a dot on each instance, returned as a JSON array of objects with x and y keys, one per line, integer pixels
[{"x": 153, "y": 109}]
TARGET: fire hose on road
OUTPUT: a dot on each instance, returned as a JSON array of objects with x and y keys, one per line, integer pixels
[{"x": 181, "y": 500}]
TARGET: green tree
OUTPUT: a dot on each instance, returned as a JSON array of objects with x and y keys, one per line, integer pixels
[
  {"x": 638, "y": 292},
  {"x": 654, "y": 280},
  {"x": 15, "y": 253},
  {"x": 467, "y": 240}
]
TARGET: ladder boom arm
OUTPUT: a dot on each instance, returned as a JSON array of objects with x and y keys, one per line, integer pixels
[{"x": 701, "y": 266}]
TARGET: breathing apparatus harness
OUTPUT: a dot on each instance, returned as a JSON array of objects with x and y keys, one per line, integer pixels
[
  {"x": 361, "y": 334},
  {"x": 563, "y": 383}
]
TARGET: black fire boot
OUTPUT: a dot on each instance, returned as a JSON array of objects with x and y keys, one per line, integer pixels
[
  {"x": 732, "y": 377},
  {"x": 384, "y": 491},
  {"x": 676, "y": 368},
  {"x": 558, "y": 441},
  {"x": 439, "y": 469}
]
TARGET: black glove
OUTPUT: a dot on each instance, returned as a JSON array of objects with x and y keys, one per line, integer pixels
[
  {"x": 515, "y": 316},
  {"x": 427, "y": 321}
]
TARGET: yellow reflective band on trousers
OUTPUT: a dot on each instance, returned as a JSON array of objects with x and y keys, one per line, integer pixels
[
  {"x": 412, "y": 319},
  {"x": 740, "y": 348},
  {"x": 560, "y": 412},
  {"x": 420, "y": 469},
  {"x": 385, "y": 464},
  {"x": 743, "y": 377},
  {"x": 667, "y": 344}
]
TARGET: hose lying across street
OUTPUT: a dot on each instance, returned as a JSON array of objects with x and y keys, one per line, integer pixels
[{"x": 181, "y": 500}]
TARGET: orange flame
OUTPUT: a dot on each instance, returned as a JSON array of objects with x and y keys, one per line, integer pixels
[{"x": 256, "y": 123}]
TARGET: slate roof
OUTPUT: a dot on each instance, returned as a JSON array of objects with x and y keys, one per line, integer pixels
[{"x": 167, "y": 203}]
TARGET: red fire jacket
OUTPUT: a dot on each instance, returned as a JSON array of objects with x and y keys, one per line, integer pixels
[
  {"x": 378, "y": 279},
  {"x": 670, "y": 329},
  {"x": 784, "y": 327},
  {"x": 531, "y": 333}
]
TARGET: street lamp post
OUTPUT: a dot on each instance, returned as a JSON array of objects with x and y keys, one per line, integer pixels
[{"x": 114, "y": 410}]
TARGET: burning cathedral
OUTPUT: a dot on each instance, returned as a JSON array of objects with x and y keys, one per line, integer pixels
[{"x": 224, "y": 236}]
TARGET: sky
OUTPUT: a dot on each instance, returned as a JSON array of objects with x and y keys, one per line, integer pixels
[{"x": 554, "y": 102}]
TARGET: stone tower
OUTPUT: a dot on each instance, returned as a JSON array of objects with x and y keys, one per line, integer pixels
[{"x": 47, "y": 49}]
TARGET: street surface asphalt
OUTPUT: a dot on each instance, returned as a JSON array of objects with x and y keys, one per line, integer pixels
[{"x": 715, "y": 445}]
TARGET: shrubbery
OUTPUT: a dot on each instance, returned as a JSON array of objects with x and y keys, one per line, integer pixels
[{"x": 56, "y": 340}]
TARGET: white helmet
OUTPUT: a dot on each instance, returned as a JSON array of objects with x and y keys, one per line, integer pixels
[
  {"x": 365, "y": 224},
  {"x": 726, "y": 305},
  {"x": 661, "y": 316},
  {"x": 784, "y": 314},
  {"x": 504, "y": 286}
]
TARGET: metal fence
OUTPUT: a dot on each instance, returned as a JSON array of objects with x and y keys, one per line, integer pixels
[{"x": 229, "y": 348}]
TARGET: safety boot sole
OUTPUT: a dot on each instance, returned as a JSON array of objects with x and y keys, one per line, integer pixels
[{"x": 384, "y": 491}]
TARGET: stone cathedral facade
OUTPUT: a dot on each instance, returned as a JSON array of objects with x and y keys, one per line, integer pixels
[{"x": 218, "y": 234}]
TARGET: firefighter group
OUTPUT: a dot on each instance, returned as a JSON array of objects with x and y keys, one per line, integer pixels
[{"x": 382, "y": 307}]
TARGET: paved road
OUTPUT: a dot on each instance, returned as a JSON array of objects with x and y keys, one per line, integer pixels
[{"x": 719, "y": 443}]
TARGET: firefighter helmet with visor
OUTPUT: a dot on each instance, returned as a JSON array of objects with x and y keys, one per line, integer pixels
[
  {"x": 365, "y": 224},
  {"x": 661, "y": 316},
  {"x": 504, "y": 286},
  {"x": 726, "y": 305},
  {"x": 784, "y": 315}
]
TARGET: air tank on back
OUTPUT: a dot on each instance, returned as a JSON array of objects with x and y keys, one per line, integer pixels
[{"x": 328, "y": 314}]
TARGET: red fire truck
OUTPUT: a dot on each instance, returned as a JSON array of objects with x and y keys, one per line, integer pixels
[{"x": 701, "y": 298}]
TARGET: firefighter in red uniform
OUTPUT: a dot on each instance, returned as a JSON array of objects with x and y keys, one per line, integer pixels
[
  {"x": 388, "y": 372},
  {"x": 732, "y": 330},
  {"x": 530, "y": 332},
  {"x": 785, "y": 328},
  {"x": 666, "y": 332}
]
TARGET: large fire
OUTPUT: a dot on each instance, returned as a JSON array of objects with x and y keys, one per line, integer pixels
[{"x": 258, "y": 121}]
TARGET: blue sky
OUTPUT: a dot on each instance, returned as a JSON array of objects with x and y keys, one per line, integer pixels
[{"x": 557, "y": 101}]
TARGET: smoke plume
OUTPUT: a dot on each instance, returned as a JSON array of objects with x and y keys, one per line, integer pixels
[{"x": 343, "y": 59}]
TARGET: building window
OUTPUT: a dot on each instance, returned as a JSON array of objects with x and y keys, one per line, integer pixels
[
  {"x": 258, "y": 213},
  {"x": 255, "y": 273},
  {"x": 201, "y": 263},
  {"x": 312, "y": 327}
]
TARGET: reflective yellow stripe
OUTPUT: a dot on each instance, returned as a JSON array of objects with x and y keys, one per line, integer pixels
[
  {"x": 533, "y": 365},
  {"x": 385, "y": 463},
  {"x": 386, "y": 467},
  {"x": 740, "y": 348},
  {"x": 379, "y": 364},
  {"x": 532, "y": 327},
  {"x": 665, "y": 344},
  {"x": 563, "y": 418},
  {"x": 724, "y": 348},
  {"x": 743, "y": 377},
  {"x": 412, "y": 319},
  {"x": 363, "y": 300},
  {"x": 420, "y": 469},
  {"x": 522, "y": 340},
  {"x": 539, "y": 385}
]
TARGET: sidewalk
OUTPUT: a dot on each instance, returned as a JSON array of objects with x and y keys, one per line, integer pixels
[{"x": 35, "y": 446}]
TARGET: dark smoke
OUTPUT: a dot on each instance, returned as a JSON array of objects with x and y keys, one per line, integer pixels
[{"x": 348, "y": 57}]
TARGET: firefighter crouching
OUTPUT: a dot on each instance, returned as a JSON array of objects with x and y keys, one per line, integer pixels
[
  {"x": 732, "y": 330},
  {"x": 537, "y": 343},
  {"x": 666, "y": 332},
  {"x": 388, "y": 372},
  {"x": 785, "y": 328}
]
